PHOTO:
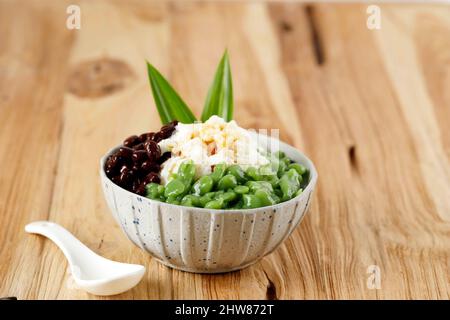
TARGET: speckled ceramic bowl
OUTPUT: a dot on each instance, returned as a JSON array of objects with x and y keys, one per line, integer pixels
[{"x": 204, "y": 240}]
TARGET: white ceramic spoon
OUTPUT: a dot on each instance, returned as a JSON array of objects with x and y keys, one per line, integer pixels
[{"x": 90, "y": 271}]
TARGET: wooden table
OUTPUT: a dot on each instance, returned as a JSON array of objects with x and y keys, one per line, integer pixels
[{"x": 370, "y": 107}]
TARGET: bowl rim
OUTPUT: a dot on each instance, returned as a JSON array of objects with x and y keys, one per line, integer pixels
[{"x": 283, "y": 146}]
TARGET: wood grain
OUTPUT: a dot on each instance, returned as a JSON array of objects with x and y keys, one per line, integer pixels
[{"x": 370, "y": 107}]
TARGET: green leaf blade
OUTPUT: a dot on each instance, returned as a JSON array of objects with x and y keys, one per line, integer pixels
[
  {"x": 169, "y": 104},
  {"x": 219, "y": 100}
]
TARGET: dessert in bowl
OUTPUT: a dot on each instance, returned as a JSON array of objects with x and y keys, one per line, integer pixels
[
  {"x": 242, "y": 213},
  {"x": 206, "y": 196}
]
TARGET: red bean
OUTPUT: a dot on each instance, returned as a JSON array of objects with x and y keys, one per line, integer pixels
[
  {"x": 111, "y": 166},
  {"x": 135, "y": 185},
  {"x": 141, "y": 190},
  {"x": 139, "y": 156},
  {"x": 170, "y": 125},
  {"x": 131, "y": 141},
  {"x": 158, "y": 137},
  {"x": 146, "y": 136},
  {"x": 110, "y": 172},
  {"x": 126, "y": 177},
  {"x": 113, "y": 161},
  {"x": 138, "y": 161},
  {"x": 124, "y": 152},
  {"x": 167, "y": 130},
  {"x": 148, "y": 166},
  {"x": 117, "y": 162},
  {"x": 139, "y": 146},
  {"x": 165, "y": 156},
  {"x": 115, "y": 179},
  {"x": 153, "y": 150},
  {"x": 151, "y": 177}
]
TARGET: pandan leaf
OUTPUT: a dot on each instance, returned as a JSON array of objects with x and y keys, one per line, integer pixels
[
  {"x": 219, "y": 100},
  {"x": 169, "y": 104}
]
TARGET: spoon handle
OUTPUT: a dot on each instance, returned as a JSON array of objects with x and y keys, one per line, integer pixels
[{"x": 69, "y": 245}]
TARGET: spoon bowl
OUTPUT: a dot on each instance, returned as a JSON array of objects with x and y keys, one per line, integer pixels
[{"x": 91, "y": 272}]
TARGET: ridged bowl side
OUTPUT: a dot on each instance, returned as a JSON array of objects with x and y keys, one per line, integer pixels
[{"x": 202, "y": 240}]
